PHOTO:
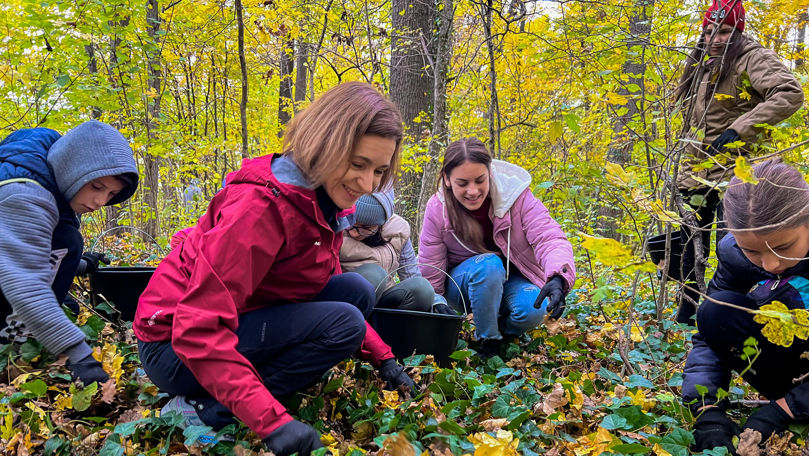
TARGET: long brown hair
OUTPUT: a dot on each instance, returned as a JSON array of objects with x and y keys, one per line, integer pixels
[
  {"x": 322, "y": 137},
  {"x": 467, "y": 229},
  {"x": 780, "y": 199},
  {"x": 688, "y": 83}
]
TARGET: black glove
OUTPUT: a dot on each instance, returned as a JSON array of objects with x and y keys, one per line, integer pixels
[
  {"x": 728, "y": 136},
  {"x": 768, "y": 420},
  {"x": 714, "y": 429},
  {"x": 89, "y": 262},
  {"x": 395, "y": 376},
  {"x": 443, "y": 309},
  {"x": 293, "y": 437},
  {"x": 554, "y": 290},
  {"x": 88, "y": 370}
]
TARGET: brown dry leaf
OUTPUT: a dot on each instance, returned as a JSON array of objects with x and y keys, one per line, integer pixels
[
  {"x": 492, "y": 425},
  {"x": 397, "y": 445},
  {"x": 553, "y": 452},
  {"x": 778, "y": 444},
  {"x": 239, "y": 450},
  {"x": 748, "y": 443},
  {"x": 439, "y": 448},
  {"x": 620, "y": 391},
  {"x": 133, "y": 414},
  {"x": 553, "y": 401},
  {"x": 108, "y": 391}
]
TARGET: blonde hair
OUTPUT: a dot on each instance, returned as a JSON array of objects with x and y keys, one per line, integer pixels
[
  {"x": 464, "y": 150},
  {"x": 322, "y": 137}
]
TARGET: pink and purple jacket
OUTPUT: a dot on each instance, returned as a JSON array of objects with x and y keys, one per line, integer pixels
[{"x": 524, "y": 231}]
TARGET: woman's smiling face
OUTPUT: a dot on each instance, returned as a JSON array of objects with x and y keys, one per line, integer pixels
[
  {"x": 469, "y": 183},
  {"x": 363, "y": 172}
]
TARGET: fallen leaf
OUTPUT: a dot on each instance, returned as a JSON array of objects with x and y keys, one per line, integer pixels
[
  {"x": 494, "y": 424},
  {"x": 748, "y": 443},
  {"x": 108, "y": 391}
]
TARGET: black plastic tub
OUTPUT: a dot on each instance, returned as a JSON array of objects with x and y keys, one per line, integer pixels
[
  {"x": 121, "y": 286},
  {"x": 657, "y": 251},
  {"x": 409, "y": 332}
]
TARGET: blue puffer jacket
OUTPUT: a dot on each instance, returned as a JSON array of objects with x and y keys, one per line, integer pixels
[
  {"x": 734, "y": 273},
  {"x": 23, "y": 154}
]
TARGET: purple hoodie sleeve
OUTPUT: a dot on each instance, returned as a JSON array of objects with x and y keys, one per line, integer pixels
[
  {"x": 551, "y": 247},
  {"x": 432, "y": 250}
]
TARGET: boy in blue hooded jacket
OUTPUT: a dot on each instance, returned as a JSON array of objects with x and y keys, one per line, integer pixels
[{"x": 46, "y": 182}]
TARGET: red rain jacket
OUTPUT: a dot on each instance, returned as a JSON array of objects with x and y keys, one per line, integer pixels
[{"x": 261, "y": 241}]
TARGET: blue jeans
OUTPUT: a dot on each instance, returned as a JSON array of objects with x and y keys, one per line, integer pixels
[
  {"x": 499, "y": 306},
  {"x": 290, "y": 345}
]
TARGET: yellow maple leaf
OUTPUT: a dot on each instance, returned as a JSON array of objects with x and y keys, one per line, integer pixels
[
  {"x": 596, "y": 443},
  {"x": 781, "y": 324},
  {"x": 744, "y": 171},
  {"x": 501, "y": 444}
]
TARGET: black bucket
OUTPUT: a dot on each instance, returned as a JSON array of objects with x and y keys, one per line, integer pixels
[
  {"x": 408, "y": 332},
  {"x": 121, "y": 286},
  {"x": 657, "y": 251}
]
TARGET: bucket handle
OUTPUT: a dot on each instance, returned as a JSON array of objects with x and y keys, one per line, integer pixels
[
  {"x": 120, "y": 227},
  {"x": 460, "y": 292}
]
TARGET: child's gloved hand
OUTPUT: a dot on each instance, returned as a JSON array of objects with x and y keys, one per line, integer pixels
[
  {"x": 728, "y": 136},
  {"x": 88, "y": 370},
  {"x": 89, "y": 262},
  {"x": 440, "y": 306},
  {"x": 293, "y": 437},
  {"x": 714, "y": 429},
  {"x": 768, "y": 420}
]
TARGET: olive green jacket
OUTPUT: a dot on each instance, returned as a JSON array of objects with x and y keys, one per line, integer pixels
[{"x": 758, "y": 90}]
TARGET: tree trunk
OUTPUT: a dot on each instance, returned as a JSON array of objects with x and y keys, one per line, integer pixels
[
  {"x": 285, "y": 89},
  {"x": 152, "y": 165},
  {"x": 243, "y": 66},
  {"x": 625, "y": 133},
  {"x": 411, "y": 87},
  {"x": 494, "y": 105},
  {"x": 301, "y": 70},
  {"x": 801, "y": 47},
  {"x": 440, "y": 131}
]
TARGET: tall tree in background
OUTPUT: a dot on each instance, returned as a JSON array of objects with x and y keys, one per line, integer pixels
[
  {"x": 440, "y": 132},
  {"x": 411, "y": 85},
  {"x": 243, "y": 67},
  {"x": 151, "y": 175}
]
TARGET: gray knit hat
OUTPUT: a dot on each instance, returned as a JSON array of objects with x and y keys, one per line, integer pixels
[
  {"x": 89, "y": 151},
  {"x": 375, "y": 208}
]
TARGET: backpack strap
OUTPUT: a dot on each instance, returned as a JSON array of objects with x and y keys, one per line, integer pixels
[{"x": 18, "y": 180}]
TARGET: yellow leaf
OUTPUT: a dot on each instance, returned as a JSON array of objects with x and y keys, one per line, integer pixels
[
  {"x": 555, "y": 130},
  {"x": 502, "y": 444},
  {"x": 639, "y": 398},
  {"x": 63, "y": 401},
  {"x": 723, "y": 96},
  {"x": 607, "y": 251},
  {"x": 398, "y": 445},
  {"x": 744, "y": 171},
  {"x": 596, "y": 443},
  {"x": 390, "y": 399},
  {"x": 617, "y": 175},
  {"x": 636, "y": 334},
  {"x": 614, "y": 98},
  {"x": 782, "y": 325},
  {"x": 659, "y": 451}
]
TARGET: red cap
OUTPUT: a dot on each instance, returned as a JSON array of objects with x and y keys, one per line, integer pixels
[{"x": 729, "y": 12}]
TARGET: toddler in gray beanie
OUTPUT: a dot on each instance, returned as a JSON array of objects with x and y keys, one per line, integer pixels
[{"x": 374, "y": 208}]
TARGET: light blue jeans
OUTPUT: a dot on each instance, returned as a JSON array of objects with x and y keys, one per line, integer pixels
[{"x": 499, "y": 306}]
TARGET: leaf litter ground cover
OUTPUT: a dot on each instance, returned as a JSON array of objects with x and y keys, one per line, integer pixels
[{"x": 588, "y": 384}]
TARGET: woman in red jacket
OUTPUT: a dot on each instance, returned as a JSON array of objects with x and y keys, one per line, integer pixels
[{"x": 251, "y": 307}]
